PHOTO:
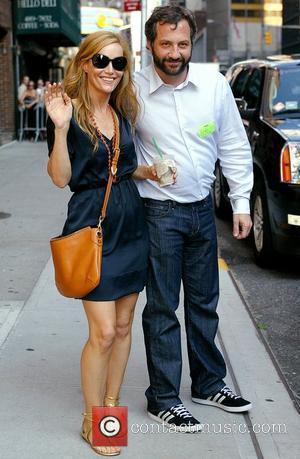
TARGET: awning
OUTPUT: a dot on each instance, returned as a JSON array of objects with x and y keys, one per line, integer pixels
[{"x": 50, "y": 22}]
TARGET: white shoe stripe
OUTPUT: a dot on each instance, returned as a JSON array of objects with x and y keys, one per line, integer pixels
[
  {"x": 169, "y": 418},
  {"x": 166, "y": 415},
  {"x": 221, "y": 399},
  {"x": 215, "y": 398}
]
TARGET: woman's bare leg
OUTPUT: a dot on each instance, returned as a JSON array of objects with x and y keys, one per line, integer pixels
[
  {"x": 121, "y": 346},
  {"x": 96, "y": 354}
]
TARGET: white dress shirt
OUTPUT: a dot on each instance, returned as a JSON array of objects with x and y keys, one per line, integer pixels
[{"x": 196, "y": 122}]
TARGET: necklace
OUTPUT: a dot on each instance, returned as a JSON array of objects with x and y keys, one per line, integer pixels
[{"x": 101, "y": 137}]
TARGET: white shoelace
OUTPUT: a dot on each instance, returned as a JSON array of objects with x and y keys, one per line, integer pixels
[
  {"x": 181, "y": 411},
  {"x": 228, "y": 392}
]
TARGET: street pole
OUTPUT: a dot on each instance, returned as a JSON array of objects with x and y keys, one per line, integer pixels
[
  {"x": 229, "y": 41},
  {"x": 143, "y": 38},
  {"x": 16, "y": 54},
  {"x": 263, "y": 48},
  {"x": 205, "y": 44},
  {"x": 247, "y": 50}
]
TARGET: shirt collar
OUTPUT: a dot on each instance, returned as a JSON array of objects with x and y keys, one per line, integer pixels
[
  {"x": 156, "y": 82},
  {"x": 193, "y": 75}
]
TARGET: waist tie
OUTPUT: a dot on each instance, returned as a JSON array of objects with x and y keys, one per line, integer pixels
[{"x": 102, "y": 183}]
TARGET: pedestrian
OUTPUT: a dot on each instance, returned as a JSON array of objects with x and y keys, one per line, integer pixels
[
  {"x": 40, "y": 90},
  {"x": 23, "y": 86},
  {"x": 29, "y": 97},
  {"x": 191, "y": 114},
  {"x": 28, "y": 101},
  {"x": 81, "y": 133}
]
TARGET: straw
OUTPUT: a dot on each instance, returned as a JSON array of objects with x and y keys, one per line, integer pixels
[{"x": 159, "y": 151}]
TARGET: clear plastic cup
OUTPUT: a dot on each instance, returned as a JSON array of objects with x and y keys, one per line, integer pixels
[{"x": 165, "y": 168}]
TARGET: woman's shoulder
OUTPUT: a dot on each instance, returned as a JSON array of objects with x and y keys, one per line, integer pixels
[{"x": 123, "y": 121}]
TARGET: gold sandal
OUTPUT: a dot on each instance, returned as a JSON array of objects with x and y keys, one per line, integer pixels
[
  {"x": 111, "y": 401},
  {"x": 86, "y": 435}
]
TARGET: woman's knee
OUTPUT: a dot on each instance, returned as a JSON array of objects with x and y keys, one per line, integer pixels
[
  {"x": 123, "y": 329},
  {"x": 103, "y": 338}
]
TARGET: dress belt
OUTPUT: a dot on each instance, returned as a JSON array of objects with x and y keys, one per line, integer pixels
[{"x": 102, "y": 183}]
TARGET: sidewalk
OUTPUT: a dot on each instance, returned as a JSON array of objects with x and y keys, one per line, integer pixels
[
  {"x": 41, "y": 338},
  {"x": 41, "y": 398}
]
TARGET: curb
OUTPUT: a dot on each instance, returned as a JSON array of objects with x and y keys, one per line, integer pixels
[{"x": 264, "y": 340}]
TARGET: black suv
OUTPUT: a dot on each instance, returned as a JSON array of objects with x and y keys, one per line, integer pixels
[{"x": 268, "y": 97}]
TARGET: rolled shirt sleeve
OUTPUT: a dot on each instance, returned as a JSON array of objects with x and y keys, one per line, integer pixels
[{"x": 234, "y": 153}]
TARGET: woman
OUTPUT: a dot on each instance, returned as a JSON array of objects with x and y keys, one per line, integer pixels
[
  {"x": 28, "y": 100},
  {"x": 80, "y": 140}
]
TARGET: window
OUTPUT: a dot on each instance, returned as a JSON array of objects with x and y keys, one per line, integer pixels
[
  {"x": 239, "y": 84},
  {"x": 284, "y": 92},
  {"x": 254, "y": 88}
]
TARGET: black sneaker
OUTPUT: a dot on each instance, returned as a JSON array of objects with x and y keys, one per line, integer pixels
[
  {"x": 226, "y": 400},
  {"x": 178, "y": 418}
]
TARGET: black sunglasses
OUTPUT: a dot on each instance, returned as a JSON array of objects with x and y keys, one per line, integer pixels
[{"x": 100, "y": 61}]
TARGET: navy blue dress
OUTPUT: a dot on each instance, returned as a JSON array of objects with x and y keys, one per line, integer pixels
[{"x": 125, "y": 237}]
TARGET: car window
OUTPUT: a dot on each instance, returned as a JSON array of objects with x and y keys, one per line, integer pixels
[
  {"x": 254, "y": 88},
  {"x": 284, "y": 91},
  {"x": 232, "y": 73},
  {"x": 239, "y": 84}
]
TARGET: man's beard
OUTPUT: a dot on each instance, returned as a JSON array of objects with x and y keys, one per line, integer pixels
[{"x": 161, "y": 64}]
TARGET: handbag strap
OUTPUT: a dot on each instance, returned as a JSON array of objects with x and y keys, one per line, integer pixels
[{"x": 113, "y": 169}]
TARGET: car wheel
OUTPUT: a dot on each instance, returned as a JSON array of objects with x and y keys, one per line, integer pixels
[
  {"x": 222, "y": 208},
  {"x": 261, "y": 230}
]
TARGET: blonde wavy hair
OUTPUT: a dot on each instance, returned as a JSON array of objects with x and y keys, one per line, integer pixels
[{"x": 122, "y": 99}]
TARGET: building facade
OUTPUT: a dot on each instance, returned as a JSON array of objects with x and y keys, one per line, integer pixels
[
  {"x": 40, "y": 28},
  {"x": 199, "y": 49},
  {"x": 30, "y": 36},
  {"x": 291, "y": 27},
  {"x": 7, "y": 89},
  {"x": 243, "y": 29}
]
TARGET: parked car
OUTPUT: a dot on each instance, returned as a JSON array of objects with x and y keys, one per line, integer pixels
[{"x": 267, "y": 93}]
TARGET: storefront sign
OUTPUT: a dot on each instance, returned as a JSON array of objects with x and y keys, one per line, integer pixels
[
  {"x": 132, "y": 5},
  {"x": 36, "y": 16},
  {"x": 48, "y": 17}
]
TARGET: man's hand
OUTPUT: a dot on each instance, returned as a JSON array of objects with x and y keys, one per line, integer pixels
[{"x": 242, "y": 225}]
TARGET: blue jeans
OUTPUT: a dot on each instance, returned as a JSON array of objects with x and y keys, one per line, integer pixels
[{"x": 183, "y": 247}]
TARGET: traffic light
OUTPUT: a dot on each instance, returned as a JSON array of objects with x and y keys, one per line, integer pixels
[{"x": 268, "y": 38}]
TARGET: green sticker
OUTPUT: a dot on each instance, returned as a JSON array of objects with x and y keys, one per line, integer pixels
[{"x": 206, "y": 129}]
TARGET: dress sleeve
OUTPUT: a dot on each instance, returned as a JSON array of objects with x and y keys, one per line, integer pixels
[
  {"x": 50, "y": 135},
  {"x": 51, "y": 138}
]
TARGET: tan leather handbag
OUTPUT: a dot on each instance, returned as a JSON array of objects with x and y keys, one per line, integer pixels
[{"x": 77, "y": 257}]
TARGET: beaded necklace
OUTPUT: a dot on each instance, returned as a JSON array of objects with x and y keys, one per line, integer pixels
[{"x": 101, "y": 137}]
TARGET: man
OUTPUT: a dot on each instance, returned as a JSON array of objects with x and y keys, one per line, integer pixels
[{"x": 193, "y": 116}]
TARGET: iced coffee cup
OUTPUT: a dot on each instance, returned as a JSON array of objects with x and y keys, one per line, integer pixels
[{"x": 165, "y": 169}]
